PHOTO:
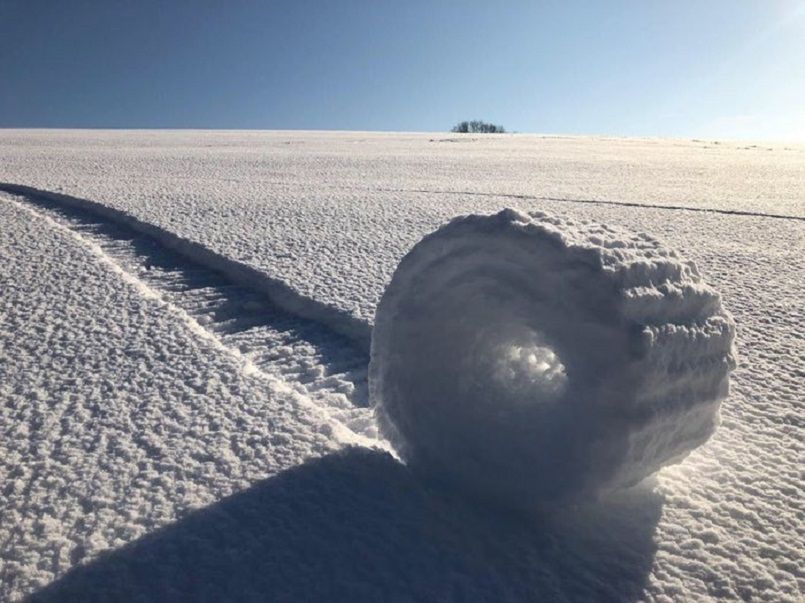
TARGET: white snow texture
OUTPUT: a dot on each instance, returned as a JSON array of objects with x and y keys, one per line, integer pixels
[
  {"x": 530, "y": 358},
  {"x": 163, "y": 438}
]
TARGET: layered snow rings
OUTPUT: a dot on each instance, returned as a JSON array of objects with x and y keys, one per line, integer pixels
[{"x": 531, "y": 359}]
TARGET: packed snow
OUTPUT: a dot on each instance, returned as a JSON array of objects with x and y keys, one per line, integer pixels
[
  {"x": 532, "y": 360},
  {"x": 247, "y": 426}
]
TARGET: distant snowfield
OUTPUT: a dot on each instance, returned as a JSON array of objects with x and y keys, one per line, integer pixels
[{"x": 136, "y": 387}]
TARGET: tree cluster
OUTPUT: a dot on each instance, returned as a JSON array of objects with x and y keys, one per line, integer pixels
[{"x": 476, "y": 126}]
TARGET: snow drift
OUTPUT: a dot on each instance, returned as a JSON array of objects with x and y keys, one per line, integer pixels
[{"x": 532, "y": 359}]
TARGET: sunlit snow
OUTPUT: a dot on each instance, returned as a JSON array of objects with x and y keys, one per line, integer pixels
[{"x": 185, "y": 327}]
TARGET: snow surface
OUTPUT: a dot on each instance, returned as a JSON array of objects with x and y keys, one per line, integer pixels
[
  {"x": 330, "y": 214},
  {"x": 534, "y": 360},
  {"x": 321, "y": 220},
  {"x": 118, "y": 415}
]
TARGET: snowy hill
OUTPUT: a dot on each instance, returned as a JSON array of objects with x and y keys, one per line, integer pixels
[{"x": 184, "y": 327}]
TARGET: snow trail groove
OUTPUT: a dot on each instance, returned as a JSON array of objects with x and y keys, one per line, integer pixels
[
  {"x": 526, "y": 197},
  {"x": 281, "y": 295},
  {"x": 326, "y": 367}
]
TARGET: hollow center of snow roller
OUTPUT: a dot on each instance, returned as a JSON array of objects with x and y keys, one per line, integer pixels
[
  {"x": 532, "y": 368},
  {"x": 527, "y": 369}
]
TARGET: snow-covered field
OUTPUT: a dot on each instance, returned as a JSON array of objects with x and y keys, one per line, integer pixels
[{"x": 177, "y": 436}]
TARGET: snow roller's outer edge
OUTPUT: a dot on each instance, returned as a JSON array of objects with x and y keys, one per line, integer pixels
[{"x": 664, "y": 266}]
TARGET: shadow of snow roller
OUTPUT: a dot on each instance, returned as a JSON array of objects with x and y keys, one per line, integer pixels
[{"x": 531, "y": 360}]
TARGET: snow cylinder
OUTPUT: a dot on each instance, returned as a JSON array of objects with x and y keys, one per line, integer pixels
[{"x": 532, "y": 359}]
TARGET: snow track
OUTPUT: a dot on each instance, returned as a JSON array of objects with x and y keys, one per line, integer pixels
[
  {"x": 521, "y": 197},
  {"x": 281, "y": 294},
  {"x": 327, "y": 367}
]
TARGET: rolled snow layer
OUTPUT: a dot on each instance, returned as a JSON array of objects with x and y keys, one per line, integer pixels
[{"x": 533, "y": 359}]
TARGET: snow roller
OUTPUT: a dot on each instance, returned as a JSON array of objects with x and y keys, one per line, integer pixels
[{"x": 531, "y": 359}]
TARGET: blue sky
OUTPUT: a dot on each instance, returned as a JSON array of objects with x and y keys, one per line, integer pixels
[{"x": 708, "y": 68}]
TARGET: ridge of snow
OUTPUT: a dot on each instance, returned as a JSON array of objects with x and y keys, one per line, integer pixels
[{"x": 279, "y": 292}]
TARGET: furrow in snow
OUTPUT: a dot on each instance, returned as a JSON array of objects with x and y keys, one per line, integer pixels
[
  {"x": 728, "y": 212},
  {"x": 321, "y": 365},
  {"x": 282, "y": 295}
]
